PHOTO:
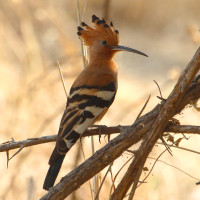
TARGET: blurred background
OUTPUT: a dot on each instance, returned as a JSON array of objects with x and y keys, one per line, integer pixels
[{"x": 35, "y": 34}]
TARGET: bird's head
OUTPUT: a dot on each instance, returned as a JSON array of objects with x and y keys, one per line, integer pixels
[{"x": 102, "y": 39}]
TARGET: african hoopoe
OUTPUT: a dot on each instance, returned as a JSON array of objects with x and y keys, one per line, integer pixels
[{"x": 92, "y": 92}]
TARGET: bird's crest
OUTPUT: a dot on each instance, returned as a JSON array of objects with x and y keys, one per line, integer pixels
[{"x": 102, "y": 32}]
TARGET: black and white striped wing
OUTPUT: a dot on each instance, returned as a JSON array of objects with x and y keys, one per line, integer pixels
[{"x": 85, "y": 104}]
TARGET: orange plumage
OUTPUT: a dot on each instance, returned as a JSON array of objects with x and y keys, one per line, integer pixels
[{"x": 92, "y": 92}]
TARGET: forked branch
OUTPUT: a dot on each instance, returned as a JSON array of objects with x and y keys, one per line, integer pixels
[
  {"x": 173, "y": 128},
  {"x": 166, "y": 112},
  {"x": 149, "y": 127}
]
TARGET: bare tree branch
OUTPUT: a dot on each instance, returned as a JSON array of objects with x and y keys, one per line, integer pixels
[
  {"x": 119, "y": 144},
  {"x": 183, "y": 129},
  {"x": 25, "y": 143},
  {"x": 104, "y": 131},
  {"x": 149, "y": 127},
  {"x": 165, "y": 114}
]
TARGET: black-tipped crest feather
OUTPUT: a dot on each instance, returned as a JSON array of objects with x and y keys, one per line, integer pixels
[
  {"x": 100, "y": 22},
  {"x": 116, "y": 31},
  {"x": 103, "y": 20},
  {"x": 83, "y": 24},
  {"x": 94, "y": 18},
  {"x": 80, "y": 28}
]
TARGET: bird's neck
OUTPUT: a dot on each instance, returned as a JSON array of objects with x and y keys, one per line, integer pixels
[{"x": 105, "y": 65}]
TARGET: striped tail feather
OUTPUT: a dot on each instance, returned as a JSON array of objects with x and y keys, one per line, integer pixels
[
  {"x": 85, "y": 106},
  {"x": 55, "y": 163}
]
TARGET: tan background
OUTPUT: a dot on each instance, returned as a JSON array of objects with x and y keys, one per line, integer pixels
[{"x": 35, "y": 34}]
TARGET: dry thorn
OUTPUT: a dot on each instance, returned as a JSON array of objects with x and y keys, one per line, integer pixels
[
  {"x": 158, "y": 89},
  {"x": 16, "y": 152},
  {"x": 162, "y": 99},
  {"x": 7, "y": 156},
  {"x": 132, "y": 152}
]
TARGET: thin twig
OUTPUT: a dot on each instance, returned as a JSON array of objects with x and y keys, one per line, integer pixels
[
  {"x": 106, "y": 9},
  {"x": 83, "y": 53},
  {"x": 111, "y": 174},
  {"x": 95, "y": 179},
  {"x": 135, "y": 183},
  {"x": 79, "y": 23},
  {"x": 166, "y": 146},
  {"x": 75, "y": 164},
  {"x": 182, "y": 148},
  {"x": 158, "y": 89},
  {"x": 152, "y": 167},
  {"x": 113, "y": 184},
  {"x": 104, "y": 178},
  {"x": 140, "y": 113},
  {"x": 90, "y": 185},
  {"x": 62, "y": 79},
  {"x": 156, "y": 160},
  {"x": 176, "y": 168},
  {"x": 84, "y": 9}
]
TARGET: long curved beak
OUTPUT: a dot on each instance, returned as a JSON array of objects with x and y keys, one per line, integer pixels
[{"x": 123, "y": 48}]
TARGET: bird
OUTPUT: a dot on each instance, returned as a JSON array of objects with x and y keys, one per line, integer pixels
[{"x": 93, "y": 91}]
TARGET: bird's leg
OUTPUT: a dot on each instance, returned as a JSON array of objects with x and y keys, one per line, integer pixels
[{"x": 100, "y": 129}]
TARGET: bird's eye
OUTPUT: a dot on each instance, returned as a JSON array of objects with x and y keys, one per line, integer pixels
[{"x": 104, "y": 42}]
